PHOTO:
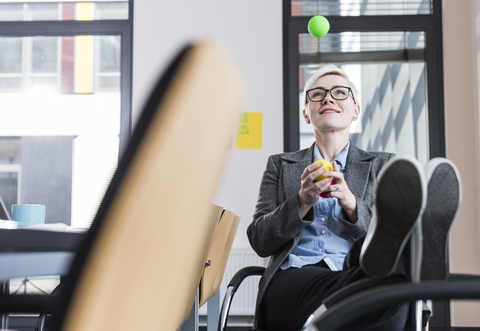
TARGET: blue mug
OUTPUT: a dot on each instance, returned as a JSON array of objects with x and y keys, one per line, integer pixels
[{"x": 27, "y": 215}]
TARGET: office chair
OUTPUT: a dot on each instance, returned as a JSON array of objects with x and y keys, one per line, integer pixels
[
  {"x": 364, "y": 296},
  {"x": 140, "y": 265},
  {"x": 214, "y": 269},
  {"x": 345, "y": 311},
  {"x": 218, "y": 255}
]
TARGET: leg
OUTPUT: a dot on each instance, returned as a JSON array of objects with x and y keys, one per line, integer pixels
[
  {"x": 444, "y": 197},
  {"x": 443, "y": 203},
  {"x": 400, "y": 199},
  {"x": 295, "y": 293}
]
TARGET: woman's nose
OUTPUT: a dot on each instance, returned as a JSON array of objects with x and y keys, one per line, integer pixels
[{"x": 328, "y": 98}]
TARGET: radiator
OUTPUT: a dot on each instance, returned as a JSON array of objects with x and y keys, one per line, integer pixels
[{"x": 244, "y": 300}]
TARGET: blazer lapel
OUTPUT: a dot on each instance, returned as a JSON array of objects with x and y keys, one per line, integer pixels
[
  {"x": 357, "y": 170},
  {"x": 293, "y": 167}
]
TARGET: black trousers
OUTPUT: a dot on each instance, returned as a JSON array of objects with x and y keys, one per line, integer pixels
[{"x": 295, "y": 293}]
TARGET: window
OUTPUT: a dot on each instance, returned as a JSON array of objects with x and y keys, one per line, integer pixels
[
  {"x": 65, "y": 70},
  {"x": 65, "y": 91},
  {"x": 392, "y": 51}
]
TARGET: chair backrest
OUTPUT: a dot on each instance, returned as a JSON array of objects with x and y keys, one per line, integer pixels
[
  {"x": 141, "y": 263},
  {"x": 218, "y": 256},
  {"x": 228, "y": 248}
]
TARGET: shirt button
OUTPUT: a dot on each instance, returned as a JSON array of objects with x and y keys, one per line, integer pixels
[
  {"x": 319, "y": 249},
  {"x": 322, "y": 219},
  {"x": 323, "y": 231}
]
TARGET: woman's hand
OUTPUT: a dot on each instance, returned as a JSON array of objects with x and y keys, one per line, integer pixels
[
  {"x": 340, "y": 190},
  {"x": 310, "y": 191}
]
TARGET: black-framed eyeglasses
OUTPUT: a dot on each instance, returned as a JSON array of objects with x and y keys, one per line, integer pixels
[{"x": 338, "y": 93}]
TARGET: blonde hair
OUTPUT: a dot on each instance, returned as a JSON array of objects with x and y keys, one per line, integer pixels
[{"x": 329, "y": 69}]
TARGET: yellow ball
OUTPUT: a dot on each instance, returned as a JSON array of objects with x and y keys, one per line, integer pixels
[{"x": 327, "y": 165}]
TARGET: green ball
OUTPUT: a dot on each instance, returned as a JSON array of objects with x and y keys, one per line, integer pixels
[{"x": 318, "y": 26}]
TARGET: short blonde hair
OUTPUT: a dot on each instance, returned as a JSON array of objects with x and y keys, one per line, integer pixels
[{"x": 329, "y": 69}]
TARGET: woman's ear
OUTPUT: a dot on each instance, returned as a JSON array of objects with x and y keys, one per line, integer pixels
[
  {"x": 305, "y": 115},
  {"x": 357, "y": 112}
]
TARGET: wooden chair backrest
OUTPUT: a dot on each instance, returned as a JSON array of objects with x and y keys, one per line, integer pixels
[
  {"x": 218, "y": 256},
  {"x": 147, "y": 247}
]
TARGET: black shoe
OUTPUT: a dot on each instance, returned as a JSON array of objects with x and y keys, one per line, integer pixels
[
  {"x": 400, "y": 198},
  {"x": 443, "y": 202}
]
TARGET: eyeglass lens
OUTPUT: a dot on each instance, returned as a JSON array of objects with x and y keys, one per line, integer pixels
[{"x": 338, "y": 93}]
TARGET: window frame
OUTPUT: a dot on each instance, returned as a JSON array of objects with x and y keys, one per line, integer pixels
[{"x": 430, "y": 24}]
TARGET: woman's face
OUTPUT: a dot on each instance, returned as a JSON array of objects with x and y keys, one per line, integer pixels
[{"x": 330, "y": 114}]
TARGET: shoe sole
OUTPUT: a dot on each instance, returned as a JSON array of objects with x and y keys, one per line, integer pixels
[
  {"x": 399, "y": 202},
  {"x": 443, "y": 202}
]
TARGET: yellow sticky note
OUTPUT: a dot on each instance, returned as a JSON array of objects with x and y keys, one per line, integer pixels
[{"x": 249, "y": 131}]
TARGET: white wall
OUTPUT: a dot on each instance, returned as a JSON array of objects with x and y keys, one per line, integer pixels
[
  {"x": 251, "y": 31},
  {"x": 461, "y": 42}
]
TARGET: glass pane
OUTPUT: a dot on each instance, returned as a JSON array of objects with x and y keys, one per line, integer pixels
[
  {"x": 43, "y": 11},
  {"x": 11, "y": 49},
  {"x": 66, "y": 127},
  {"x": 34, "y": 285},
  {"x": 11, "y": 84},
  {"x": 11, "y": 12},
  {"x": 44, "y": 54},
  {"x": 39, "y": 10},
  {"x": 393, "y": 98},
  {"x": 362, "y": 41},
  {"x": 360, "y": 7},
  {"x": 109, "y": 49},
  {"x": 108, "y": 84},
  {"x": 42, "y": 84},
  {"x": 111, "y": 11}
]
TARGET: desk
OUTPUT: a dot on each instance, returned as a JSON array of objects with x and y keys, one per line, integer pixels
[
  {"x": 29, "y": 253},
  {"x": 36, "y": 252}
]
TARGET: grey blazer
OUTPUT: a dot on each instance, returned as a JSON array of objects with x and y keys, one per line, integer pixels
[{"x": 277, "y": 227}]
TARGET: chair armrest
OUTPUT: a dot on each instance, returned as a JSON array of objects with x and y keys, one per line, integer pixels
[
  {"x": 243, "y": 273},
  {"x": 359, "y": 286},
  {"x": 463, "y": 277},
  {"x": 232, "y": 287},
  {"x": 347, "y": 292},
  {"x": 362, "y": 303}
]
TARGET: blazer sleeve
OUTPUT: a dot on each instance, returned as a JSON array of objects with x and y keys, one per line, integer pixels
[{"x": 276, "y": 220}]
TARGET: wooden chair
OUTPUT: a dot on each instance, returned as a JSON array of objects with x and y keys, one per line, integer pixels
[
  {"x": 218, "y": 256},
  {"x": 140, "y": 264}
]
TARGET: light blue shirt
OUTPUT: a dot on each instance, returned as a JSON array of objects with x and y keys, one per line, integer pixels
[{"x": 325, "y": 238}]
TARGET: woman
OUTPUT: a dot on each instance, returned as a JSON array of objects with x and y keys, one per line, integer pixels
[{"x": 307, "y": 236}]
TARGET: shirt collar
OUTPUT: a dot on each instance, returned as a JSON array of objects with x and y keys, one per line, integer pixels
[{"x": 341, "y": 158}]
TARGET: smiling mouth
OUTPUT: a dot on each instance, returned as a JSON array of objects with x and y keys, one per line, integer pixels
[{"x": 328, "y": 111}]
